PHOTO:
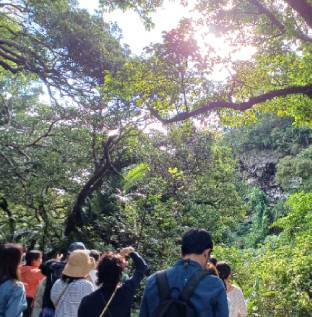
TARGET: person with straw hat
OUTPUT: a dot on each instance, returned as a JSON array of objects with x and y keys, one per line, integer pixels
[{"x": 68, "y": 291}]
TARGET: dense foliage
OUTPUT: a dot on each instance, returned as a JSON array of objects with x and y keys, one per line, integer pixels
[{"x": 83, "y": 154}]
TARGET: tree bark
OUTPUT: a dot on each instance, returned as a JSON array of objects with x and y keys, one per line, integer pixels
[
  {"x": 303, "y": 8},
  {"x": 75, "y": 220},
  {"x": 5, "y": 207},
  {"x": 242, "y": 106}
]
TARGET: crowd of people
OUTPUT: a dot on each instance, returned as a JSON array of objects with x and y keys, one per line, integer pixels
[{"x": 86, "y": 283}]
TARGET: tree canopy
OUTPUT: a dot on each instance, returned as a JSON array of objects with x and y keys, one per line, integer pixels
[
  {"x": 276, "y": 78},
  {"x": 102, "y": 146}
]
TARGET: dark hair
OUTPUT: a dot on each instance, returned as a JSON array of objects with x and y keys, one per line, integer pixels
[
  {"x": 52, "y": 254},
  {"x": 10, "y": 255},
  {"x": 32, "y": 255},
  {"x": 110, "y": 270},
  {"x": 213, "y": 260},
  {"x": 69, "y": 279},
  {"x": 224, "y": 270},
  {"x": 94, "y": 254},
  {"x": 196, "y": 241},
  {"x": 46, "y": 267}
]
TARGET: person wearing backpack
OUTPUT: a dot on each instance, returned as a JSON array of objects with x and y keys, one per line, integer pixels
[{"x": 186, "y": 289}]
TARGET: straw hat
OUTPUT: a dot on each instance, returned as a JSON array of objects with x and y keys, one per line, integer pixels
[{"x": 79, "y": 264}]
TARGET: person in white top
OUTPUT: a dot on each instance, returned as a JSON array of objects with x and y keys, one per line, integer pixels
[
  {"x": 236, "y": 301},
  {"x": 68, "y": 291}
]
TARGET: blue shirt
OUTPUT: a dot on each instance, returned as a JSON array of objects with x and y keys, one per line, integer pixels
[
  {"x": 209, "y": 297},
  {"x": 12, "y": 299}
]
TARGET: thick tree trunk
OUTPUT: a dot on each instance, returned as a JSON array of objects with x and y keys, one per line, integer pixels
[
  {"x": 74, "y": 219},
  {"x": 303, "y": 8},
  {"x": 5, "y": 207}
]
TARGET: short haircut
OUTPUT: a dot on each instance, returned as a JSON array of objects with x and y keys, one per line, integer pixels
[
  {"x": 110, "y": 270},
  {"x": 224, "y": 270},
  {"x": 196, "y": 241},
  {"x": 32, "y": 255},
  {"x": 10, "y": 255}
]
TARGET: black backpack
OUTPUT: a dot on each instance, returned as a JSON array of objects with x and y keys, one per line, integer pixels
[{"x": 181, "y": 306}]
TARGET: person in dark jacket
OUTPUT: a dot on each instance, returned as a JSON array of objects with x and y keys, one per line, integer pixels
[
  {"x": 208, "y": 298},
  {"x": 113, "y": 298}
]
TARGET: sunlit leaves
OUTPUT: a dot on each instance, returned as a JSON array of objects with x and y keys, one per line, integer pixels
[{"x": 134, "y": 175}]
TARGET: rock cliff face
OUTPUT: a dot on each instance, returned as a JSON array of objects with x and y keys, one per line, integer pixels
[{"x": 259, "y": 168}]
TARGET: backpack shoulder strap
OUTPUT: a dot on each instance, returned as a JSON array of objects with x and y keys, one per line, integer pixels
[
  {"x": 163, "y": 285},
  {"x": 192, "y": 284}
]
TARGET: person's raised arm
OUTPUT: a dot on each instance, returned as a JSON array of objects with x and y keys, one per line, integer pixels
[{"x": 139, "y": 264}]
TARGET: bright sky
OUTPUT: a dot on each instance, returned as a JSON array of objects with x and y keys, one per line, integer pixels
[
  {"x": 133, "y": 30},
  {"x": 166, "y": 18}
]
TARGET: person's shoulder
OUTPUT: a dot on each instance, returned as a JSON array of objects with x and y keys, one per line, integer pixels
[
  {"x": 85, "y": 285},
  {"x": 24, "y": 269},
  {"x": 14, "y": 286},
  {"x": 58, "y": 266},
  {"x": 153, "y": 276},
  {"x": 152, "y": 279},
  {"x": 84, "y": 281},
  {"x": 35, "y": 270},
  {"x": 58, "y": 283},
  {"x": 93, "y": 297},
  {"x": 237, "y": 290},
  {"x": 211, "y": 280},
  {"x": 18, "y": 284}
]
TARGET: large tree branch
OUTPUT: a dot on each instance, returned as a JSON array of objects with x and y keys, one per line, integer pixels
[
  {"x": 303, "y": 8},
  {"x": 277, "y": 23},
  {"x": 74, "y": 220},
  {"x": 44, "y": 135},
  {"x": 266, "y": 11},
  {"x": 242, "y": 106}
]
